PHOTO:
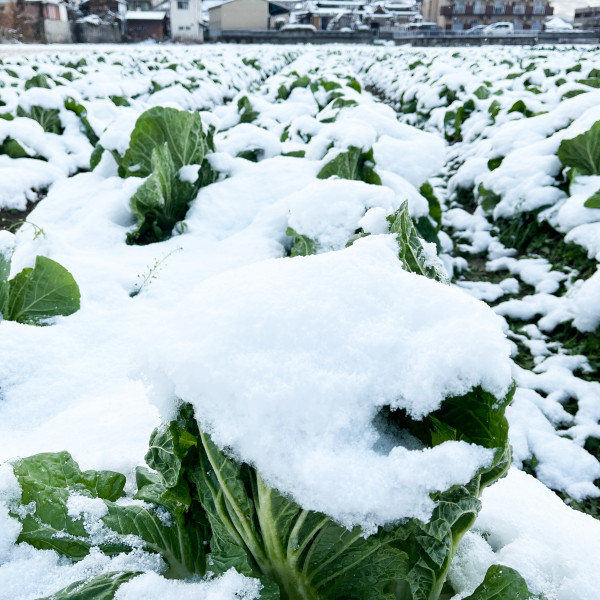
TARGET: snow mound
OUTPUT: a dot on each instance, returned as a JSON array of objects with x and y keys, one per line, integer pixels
[{"x": 288, "y": 361}]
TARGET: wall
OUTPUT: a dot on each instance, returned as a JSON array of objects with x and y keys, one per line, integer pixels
[
  {"x": 245, "y": 14},
  {"x": 138, "y": 31},
  {"x": 86, "y": 33},
  {"x": 57, "y": 32},
  {"x": 215, "y": 21},
  {"x": 241, "y": 36}
]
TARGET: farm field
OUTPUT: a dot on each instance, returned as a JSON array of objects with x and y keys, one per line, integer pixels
[{"x": 300, "y": 323}]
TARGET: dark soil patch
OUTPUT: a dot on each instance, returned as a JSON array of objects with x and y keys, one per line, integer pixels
[
  {"x": 532, "y": 237},
  {"x": 11, "y": 218}
]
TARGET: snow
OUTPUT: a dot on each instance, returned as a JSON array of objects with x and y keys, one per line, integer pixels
[
  {"x": 556, "y": 550},
  {"x": 330, "y": 211},
  {"x": 246, "y": 136},
  {"x": 231, "y": 585},
  {"x": 288, "y": 360},
  {"x": 572, "y": 213},
  {"x": 293, "y": 348},
  {"x": 525, "y": 526}
]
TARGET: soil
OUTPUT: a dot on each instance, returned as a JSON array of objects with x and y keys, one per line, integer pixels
[{"x": 10, "y": 218}]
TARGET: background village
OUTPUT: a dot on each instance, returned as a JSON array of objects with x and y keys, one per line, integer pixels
[{"x": 260, "y": 21}]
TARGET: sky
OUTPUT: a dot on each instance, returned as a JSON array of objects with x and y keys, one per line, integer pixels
[{"x": 566, "y": 8}]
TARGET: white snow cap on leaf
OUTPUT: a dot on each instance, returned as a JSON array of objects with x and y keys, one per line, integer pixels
[
  {"x": 288, "y": 361},
  {"x": 229, "y": 586}
]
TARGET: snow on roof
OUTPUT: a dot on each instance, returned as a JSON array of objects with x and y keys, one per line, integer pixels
[
  {"x": 556, "y": 23},
  {"x": 338, "y": 3},
  {"x": 90, "y": 20},
  {"x": 145, "y": 15},
  {"x": 219, "y": 3}
]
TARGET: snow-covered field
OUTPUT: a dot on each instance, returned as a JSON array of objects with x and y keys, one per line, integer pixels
[{"x": 244, "y": 250}]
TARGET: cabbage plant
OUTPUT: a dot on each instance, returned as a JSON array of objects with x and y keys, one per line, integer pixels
[
  {"x": 205, "y": 511},
  {"x": 222, "y": 514},
  {"x": 37, "y": 293}
]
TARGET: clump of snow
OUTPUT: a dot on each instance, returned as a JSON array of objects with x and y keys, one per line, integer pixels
[
  {"x": 470, "y": 563},
  {"x": 288, "y": 361},
  {"x": 229, "y": 586},
  {"x": 330, "y": 211},
  {"x": 529, "y": 528},
  {"x": 375, "y": 221},
  {"x": 562, "y": 465},
  {"x": 415, "y": 158},
  {"x": 90, "y": 510},
  {"x": 10, "y": 494},
  {"x": 7, "y": 244},
  {"x": 246, "y": 136},
  {"x": 573, "y": 212},
  {"x": 585, "y": 305},
  {"x": 189, "y": 173}
]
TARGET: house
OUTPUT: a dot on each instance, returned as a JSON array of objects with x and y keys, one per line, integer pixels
[
  {"x": 557, "y": 24},
  {"x": 43, "y": 21},
  {"x": 107, "y": 10},
  {"x": 461, "y": 15},
  {"x": 100, "y": 21},
  {"x": 143, "y": 25},
  {"x": 243, "y": 14},
  {"x": 186, "y": 20},
  {"x": 331, "y": 14},
  {"x": 384, "y": 16},
  {"x": 379, "y": 16},
  {"x": 587, "y": 18}
]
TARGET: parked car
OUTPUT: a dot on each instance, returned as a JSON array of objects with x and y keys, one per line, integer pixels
[
  {"x": 425, "y": 29},
  {"x": 475, "y": 30},
  {"x": 499, "y": 28}
]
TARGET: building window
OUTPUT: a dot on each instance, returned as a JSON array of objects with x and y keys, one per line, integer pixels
[
  {"x": 478, "y": 7},
  {"x": 536, "y": 24},
  {"x": 52, "y": 12},
  {"x": 183, "y": 5},
  {"x": 519, "y": 9},
  {"x": 498, "y": 7},
  {"x": 459, "y": 8},
  {"x": 538, "y": 8},
  {"x": 457, "y": 25}
]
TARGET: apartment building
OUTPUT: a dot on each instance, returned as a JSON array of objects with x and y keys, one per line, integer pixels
[
  {"x": 461, "y": 15},
  {"x": 587, "y": 18}
]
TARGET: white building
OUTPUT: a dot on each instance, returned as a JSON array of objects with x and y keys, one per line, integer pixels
[
  {"x": 238, "y": 14},
  {"x": 186, "y": 20}
]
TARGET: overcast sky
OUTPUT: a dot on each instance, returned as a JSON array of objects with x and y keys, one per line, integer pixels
[{"x": 566, "y": 8}]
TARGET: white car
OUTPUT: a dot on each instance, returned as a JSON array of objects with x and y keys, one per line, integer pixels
[{"x": 500, "y": 28}]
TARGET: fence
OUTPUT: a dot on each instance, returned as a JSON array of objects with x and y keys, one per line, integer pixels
[
  {"x": 518, "y": 38},
  {"x": 274, "y": 36}
]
